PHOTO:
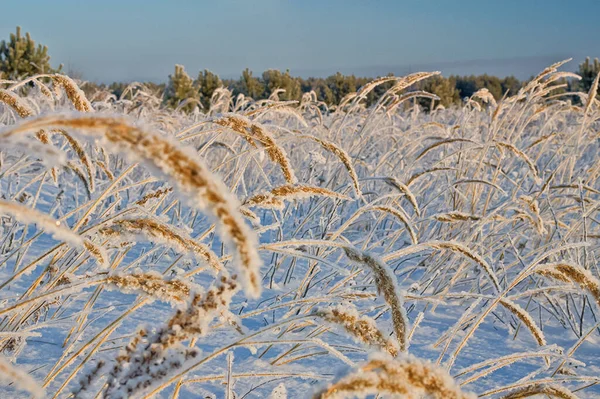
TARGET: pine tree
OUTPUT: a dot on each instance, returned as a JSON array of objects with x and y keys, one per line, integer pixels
[
  {"x": 251, "y": 86},
  {"x": 274, "y": 80},
  {"x": 341, "y": 85},
  {"x": 207, "y": 83},
  {"x": 511, "y": 85},
  {"x": 20, "y": 57},
  {"x": 324, "y": 93},
  {"x": 442, "y": 87},
  {"x": 588, "y": 72},
  {"x": 181, "y": 88}
]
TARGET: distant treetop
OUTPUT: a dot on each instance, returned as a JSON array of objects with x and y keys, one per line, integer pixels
[{"x": 20, "y": 57}]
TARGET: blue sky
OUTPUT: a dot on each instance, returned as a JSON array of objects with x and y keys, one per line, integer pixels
[{"x": 142, "y": 39}]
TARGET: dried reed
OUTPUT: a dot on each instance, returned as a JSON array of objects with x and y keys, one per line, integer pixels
[
  {"x": 16, "y": 103},
  {"x": 408, "y": 376},
  {"x": 74, "y": 93},
  {"x": 388, "y": 287},
  {"x": 193, "y": 179},
  {"x": 165, "y": 234},
  {"x": 252, "y": 131},
  {"x": 553, "y": 391},
  {"x": 362, "y": 328},
  {"x": 274, "y": 198}
]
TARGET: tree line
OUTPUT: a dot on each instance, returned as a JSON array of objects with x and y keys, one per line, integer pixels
[
  {"x": 20, "y": 57},
  {"x": 333, "y": 89}
]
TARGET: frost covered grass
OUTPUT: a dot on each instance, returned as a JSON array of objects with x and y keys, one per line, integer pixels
[{"x": 276, "y": 249}]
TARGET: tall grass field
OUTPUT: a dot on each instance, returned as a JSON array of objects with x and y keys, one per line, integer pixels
[{"x": 283, "y": 249}]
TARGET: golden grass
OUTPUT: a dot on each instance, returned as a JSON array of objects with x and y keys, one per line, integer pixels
[
  {"x": 253, "y": 132},
  {"x": 151, "y": 284},
  {"x": 343, "y": 157},
  {"x": 362, "y": 328},
  {"x": 164, "y": 233},
  {"x": 74, "y": 93},
  {"x": 274, "y": 198},
  {"x": 191, "y": 176},
  {"x": 553, "y": 391},
  {"x": 16, "y": 103},
  {"x": 576, "y": 274},
  {"x": 466, "y": 226},
  {"x": 136, "y": 361},
  {"x": 387, "y": 287},
  {"x": 406, "y": 377},
  {"x": 18, "y": 377}
]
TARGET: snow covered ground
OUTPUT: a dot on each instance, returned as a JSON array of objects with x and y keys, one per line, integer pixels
[{"x": 485, "y": 217}]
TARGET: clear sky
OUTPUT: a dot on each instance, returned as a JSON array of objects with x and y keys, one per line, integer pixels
[{"x": 110, "y": 40}]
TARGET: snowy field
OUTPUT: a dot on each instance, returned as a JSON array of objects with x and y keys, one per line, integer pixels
[{"x": 275, "y": 249}]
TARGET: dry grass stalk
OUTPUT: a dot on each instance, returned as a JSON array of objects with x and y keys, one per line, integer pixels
[
  {"x": 43, "y": 89},
  {"x": 362, "y": 328},
  {"x": 342, "y": 156},
  {"x": 151, "y": 356},
  {"x": 407, "y": 377},
  {"x": 592, "y": 94},
  {"x": 275, "y": 152},
  {"x": 414, "y": 177},
  {"x": 88, "y": 379},
  {"x": 274, "y": 198},
  {"x": 283, "y": 107},
  {"x": 455, "y": 216},
  {"x": 304, "y": 191},
  {"x": 28, "y": 215},
  {"x": 154, "y": 194},
  {"x": 152, "y": 284},
  {"x": 192, "y": 178},
  {"x": 524, "y": 157},
  {"x": 16, "y": 103},
  {"x": 549, "y": 271},
  {"x": 97, "y": 252},
  {"x": 238, "y": 124},
  {"x": 81, "y": 154},
  {"x": 526, "y": 319},
  {"x": 407, "y": 96},
  {"x": 105, "y": 169},
  {"x": 551, "y": 390},
  {"x": 439, "y": 143},
  {"x": 42, "y": 136},
  {"x": 401, "y": 216},
  {"x": 388, "y": 287},
  {"x": 265, "y": 200},
  {"x": 576, "y": 274},
  {"x": 165, "y": 234},
  {"x": 72, "y": 166},
  {"x": 253, "y": 131},
  {"x": 535, "y": 82},
  {"x": 534, "y": 207},
  {"x": 485, "y": 96},
  {"x": 346, "y": 99},
  {"x": 248, "y": 214},
  {"x": 400, "y": 84},
  {"x": 22, "y": 380},
  {"x": 403, "y": 188},
  {"x": 409, "y": 80},
  {"x": 463, "y": 250},
  {"x": 367, "y": 88},
  {"x": 74, "y": 93}
]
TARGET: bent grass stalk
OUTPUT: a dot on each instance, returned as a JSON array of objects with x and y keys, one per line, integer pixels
[
  {"x": 502, "y": 204},
  {"x": 407, "y": 376},
  {"x": 195, "y": 182}
]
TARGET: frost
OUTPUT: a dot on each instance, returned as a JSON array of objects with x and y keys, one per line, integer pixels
[
  {"x": 382, "y": 226},
  {"x": 279, "y": 392}
]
